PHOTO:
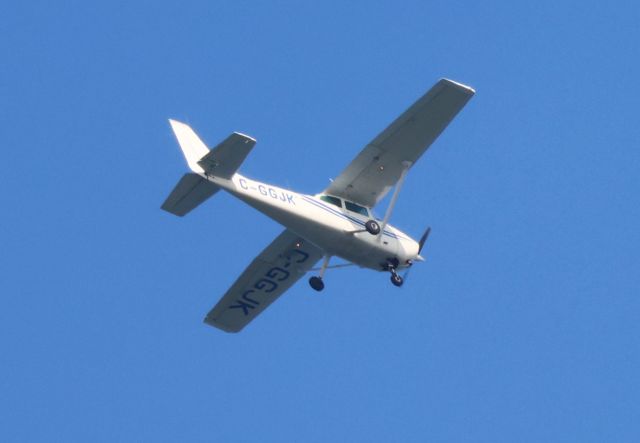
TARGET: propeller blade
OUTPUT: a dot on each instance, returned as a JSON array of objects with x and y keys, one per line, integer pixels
[{"x": 424, "y": 238}]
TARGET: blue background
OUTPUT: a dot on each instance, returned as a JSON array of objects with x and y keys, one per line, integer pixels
[{"x": 523, "y": 324}]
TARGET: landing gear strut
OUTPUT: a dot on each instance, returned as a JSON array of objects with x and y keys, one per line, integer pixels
[
  {"x": 392, "y": 264},
  {"x": 316, "y": 281},
  {"x": 396, "y": 279}
]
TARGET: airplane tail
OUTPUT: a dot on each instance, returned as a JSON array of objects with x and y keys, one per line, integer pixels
[
  {"x": 192, "y": 147},
  {"x": 191, "y": 190},
  {"x": 222, "y": 161}
]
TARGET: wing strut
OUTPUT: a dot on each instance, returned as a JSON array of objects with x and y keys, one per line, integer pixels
[{"x": 405, "y": 168}]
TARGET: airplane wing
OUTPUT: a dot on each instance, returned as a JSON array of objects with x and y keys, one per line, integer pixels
[
  {"x": 379, "y": 165},
  {"x": 268, "y": 276}
]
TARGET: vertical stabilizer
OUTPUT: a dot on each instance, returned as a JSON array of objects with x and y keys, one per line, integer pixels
[{"x": 192, "y": 147}]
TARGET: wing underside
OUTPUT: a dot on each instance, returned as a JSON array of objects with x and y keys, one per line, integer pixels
[
  {"x": 271, "y": 273},
  {"x": 379, "y": 165}
]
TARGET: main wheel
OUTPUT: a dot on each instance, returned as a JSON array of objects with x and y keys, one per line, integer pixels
[
  {"x": 372, "y": 227},
  {"x": 396, "y": 280},
  {"x": 316, "y": 283}
]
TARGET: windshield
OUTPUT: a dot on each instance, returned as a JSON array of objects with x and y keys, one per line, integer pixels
[{"x": 331, "y": 199}]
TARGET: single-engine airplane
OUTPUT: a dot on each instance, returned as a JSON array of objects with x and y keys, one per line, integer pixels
[{"x": 334, "y": 223}]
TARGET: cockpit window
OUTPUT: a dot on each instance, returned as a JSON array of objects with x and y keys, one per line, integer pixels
[
  {"x": 356, "y": 208},
  {"x": 330, "y": 199}
]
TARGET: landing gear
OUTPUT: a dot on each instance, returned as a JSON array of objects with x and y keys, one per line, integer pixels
[
  {"x": 316, "y": 281},
  {"x": 372, "y": 227},
  {"x": 396, "y": 279},
  {"x": 392, "y": 265}
]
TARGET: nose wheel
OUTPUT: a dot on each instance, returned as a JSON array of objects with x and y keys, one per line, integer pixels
[
  {"x": 396, "y": 280},
  {"x": 392, "y": 265}
]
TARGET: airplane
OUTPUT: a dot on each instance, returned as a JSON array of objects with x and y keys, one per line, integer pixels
[{"x": 337, "y": 222}]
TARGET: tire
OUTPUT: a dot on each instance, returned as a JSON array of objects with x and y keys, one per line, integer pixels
[
  {"x": 316, "y": 283},
  {"x": 372, "y": 227},
  {"x": 396, "y": 280}
]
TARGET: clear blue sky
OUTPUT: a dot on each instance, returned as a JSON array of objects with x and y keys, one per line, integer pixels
[{"x": 523, "y": 324}]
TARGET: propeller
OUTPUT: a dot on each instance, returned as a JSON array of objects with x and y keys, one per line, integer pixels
[
  {"x": 421, "y": 243},
  {"x": 424, "y": 238}
]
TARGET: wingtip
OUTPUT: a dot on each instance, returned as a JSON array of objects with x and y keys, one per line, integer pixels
[
  {"x": 212, "y": 322},
  {"x": 462, "y": 86}
]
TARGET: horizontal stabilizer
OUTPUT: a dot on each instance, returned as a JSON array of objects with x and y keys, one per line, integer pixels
[
  {"x": 225, "y": 159},
  {"x": 190, "y": 191}
]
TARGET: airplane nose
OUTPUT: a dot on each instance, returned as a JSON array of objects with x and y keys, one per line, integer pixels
[{"x": 413, "y": 252}]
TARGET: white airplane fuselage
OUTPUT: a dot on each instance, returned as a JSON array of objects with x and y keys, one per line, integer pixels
[{"x": 328, "y": 227}]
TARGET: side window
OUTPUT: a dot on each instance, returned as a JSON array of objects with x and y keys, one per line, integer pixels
[
  {"x": 330, "y": 199},
  {"x": 356, "y": 208}
]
